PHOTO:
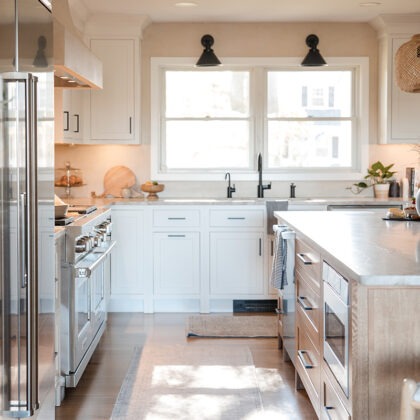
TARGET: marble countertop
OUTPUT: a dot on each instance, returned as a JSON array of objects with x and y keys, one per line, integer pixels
[
  {"x": 100, "y": 202},
  {"x": 362, "y": 246}
]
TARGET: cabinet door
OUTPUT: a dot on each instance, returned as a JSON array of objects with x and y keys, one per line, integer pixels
[
  {"x": 112, "y": 108},
  {"x": 76, "y": 115},
  {"x": 236, "y": 263},
  {"x": 405, "y": 121},
  {"x": 67, "y": 131},
  {"x": 176, "y": 262},
  {"x": 126, "y": 259}
]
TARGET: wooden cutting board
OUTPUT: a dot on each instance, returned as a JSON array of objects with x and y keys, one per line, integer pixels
[{"x": 116, "y": 179}]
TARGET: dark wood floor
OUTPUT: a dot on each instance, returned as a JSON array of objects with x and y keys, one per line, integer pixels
[{"x": 98, "y": 389}]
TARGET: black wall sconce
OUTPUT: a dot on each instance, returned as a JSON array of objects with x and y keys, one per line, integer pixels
[
  {"x": 208, "y": 58},
  {"x": 313, "y": 58}
]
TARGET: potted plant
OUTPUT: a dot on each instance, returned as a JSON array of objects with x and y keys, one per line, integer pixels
[{"x": 378, "y": 176}]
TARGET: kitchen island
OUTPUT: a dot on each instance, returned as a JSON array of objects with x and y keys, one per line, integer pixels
[{"x": 353, "y": 367}]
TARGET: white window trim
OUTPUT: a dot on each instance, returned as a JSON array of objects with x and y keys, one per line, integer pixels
[{"x": 361, "y": 143}]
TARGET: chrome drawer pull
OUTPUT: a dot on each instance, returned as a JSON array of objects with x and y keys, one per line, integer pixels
[
  {"x": 177, "y": 218},
  {"x": 302, "y": 357},
  {"x": 176, "y": 236},
  {"x": 279, "y": 312},
  {"x": 327, "y": 412},
  {"x": 303, "y": 259},
  {"x": 301, "y": 300},
  {"x": 236, "y": 218}
]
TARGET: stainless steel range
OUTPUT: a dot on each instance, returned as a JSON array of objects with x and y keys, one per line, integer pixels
[{"x": 83, "y": 292}]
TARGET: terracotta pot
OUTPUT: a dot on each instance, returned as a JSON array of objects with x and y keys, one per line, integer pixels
[{"x": 381, "y": 190}]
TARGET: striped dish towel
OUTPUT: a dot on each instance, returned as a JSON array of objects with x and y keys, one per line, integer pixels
[{"x": 279, "y": 269}]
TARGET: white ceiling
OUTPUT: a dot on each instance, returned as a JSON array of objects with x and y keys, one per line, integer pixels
[{"x": 255, "y": 10}]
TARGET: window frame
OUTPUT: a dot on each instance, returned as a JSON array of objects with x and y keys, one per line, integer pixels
[
  {"x": 258, "y": 68},
  {"x": 354, "y": 119},
  {"x": 250, "y": 119}
]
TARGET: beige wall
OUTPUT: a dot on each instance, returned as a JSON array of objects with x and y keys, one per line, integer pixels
[
  {"x": 258, "y": 40},
  {"x": 236, "y": 40}
]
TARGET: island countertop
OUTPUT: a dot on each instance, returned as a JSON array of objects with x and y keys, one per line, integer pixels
[{"x": 361, "y": 245}]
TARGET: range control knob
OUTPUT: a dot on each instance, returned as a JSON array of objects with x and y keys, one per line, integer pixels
[{"x": 81, "y": 245}]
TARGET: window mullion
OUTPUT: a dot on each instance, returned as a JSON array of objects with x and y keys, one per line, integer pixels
[{"x": 258, "y": 105}]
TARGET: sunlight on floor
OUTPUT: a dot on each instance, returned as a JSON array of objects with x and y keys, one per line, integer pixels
[
  {"x": 213, "y": 377},
  {"x": 193, "y": 406}
]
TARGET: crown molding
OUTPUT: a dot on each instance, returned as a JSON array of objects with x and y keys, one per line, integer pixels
[
  {"x": 115, "y": 24},
  {"x": 396, "y": 24}
]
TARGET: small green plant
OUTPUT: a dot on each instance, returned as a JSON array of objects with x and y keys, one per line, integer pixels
[{"x": 377, "y": 174}]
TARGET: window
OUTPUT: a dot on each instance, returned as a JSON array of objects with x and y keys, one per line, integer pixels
[
  {"x": 305, "y": 126},
  {"x": 207, "y": 120},
  {"x": 303, "y": 121}
]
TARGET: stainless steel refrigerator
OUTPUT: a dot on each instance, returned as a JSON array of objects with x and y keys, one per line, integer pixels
[{"x": 27, "y": 283}]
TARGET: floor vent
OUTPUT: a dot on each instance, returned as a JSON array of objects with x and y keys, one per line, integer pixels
[{"x": 266, "y": 305}]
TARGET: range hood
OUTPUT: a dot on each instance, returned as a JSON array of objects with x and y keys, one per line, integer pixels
[{"x": 75, "y": 65}]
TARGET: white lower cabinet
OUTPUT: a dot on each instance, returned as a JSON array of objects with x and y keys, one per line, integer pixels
[
  {"x": 127, "y": 261},
  {"x": 236, "y": 263},
  {"x": 176, "y": 263},
  {"x": 173, "y": 259}
]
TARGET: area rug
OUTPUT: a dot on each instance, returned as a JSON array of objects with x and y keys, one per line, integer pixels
[
  {"x": 232, "y": 326},
  {"x": 189, "y": 382}
]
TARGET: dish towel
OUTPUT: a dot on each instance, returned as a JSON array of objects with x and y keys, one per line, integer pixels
[{"x": 279, "y": 269}]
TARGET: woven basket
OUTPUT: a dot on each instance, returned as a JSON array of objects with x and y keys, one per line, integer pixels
[{"x": 407, "y": 65}]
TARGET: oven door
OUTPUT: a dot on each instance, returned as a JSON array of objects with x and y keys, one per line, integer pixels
[
  {"x": 89, "y": 300},
  {"x": 336, "y": 336},
  {"x": 82, "y": 326}
]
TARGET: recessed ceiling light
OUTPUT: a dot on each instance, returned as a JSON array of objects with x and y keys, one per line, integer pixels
[
  {"x": 185, "y": 4},
  {"x": 370, "y": 4}
]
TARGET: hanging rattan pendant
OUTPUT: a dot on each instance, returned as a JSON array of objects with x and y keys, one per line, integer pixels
[{"x": 407, "y": 65}]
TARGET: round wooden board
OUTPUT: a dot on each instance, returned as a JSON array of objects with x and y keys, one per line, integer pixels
[{"x": 116, "y": 179}]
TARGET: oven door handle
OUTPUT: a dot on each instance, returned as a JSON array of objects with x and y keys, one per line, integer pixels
[
  {"x": 302, "y": 357},
  {"x": 82, "y": 270}
]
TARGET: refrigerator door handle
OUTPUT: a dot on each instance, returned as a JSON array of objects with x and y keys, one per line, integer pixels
[
  {"x": 32, "y": 244},
  {"x": 23, "y": 248}
]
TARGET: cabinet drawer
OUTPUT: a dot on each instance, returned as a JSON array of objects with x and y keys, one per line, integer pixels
[
  {"x": 237, "y": 218},
  {"x": 332, "y": 408},
  {"x": 308, "y": 359},
  {"x": 309, "y": 302},
  {"x": 309, "y": 263},
  {"x": 167, "y": 218}
]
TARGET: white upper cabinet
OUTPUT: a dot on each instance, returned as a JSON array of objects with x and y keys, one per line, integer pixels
[
  {"x": 398, "y": 111},
  {"x": 114, "y": 113},
  {"x": 70, "y": 117},
  {"x": 405, "y": 107}
]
